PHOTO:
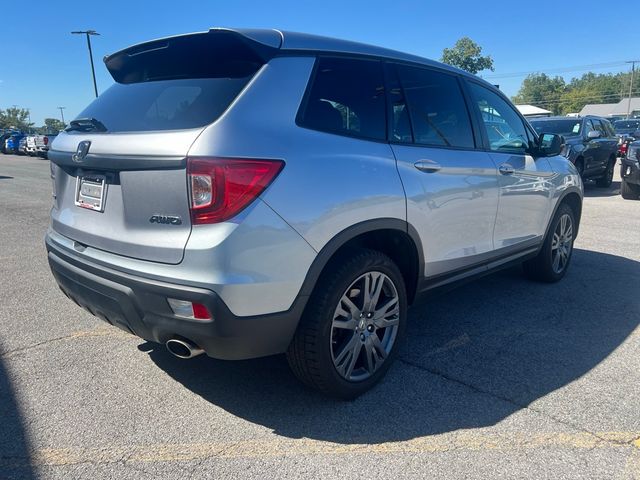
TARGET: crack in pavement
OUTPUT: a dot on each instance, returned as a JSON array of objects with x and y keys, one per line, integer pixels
[{"x": 97, "y": 332}]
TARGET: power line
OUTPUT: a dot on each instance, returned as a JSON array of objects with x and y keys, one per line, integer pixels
[
  {"x": 557, "y": 70},
  {"x": 561, "y": 98}
]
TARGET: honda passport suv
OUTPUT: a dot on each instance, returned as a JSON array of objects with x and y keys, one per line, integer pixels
[{"x": 245, "y": 193}]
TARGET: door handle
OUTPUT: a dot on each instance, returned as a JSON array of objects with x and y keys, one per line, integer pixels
[
  {"x": 506, "y": 169},
  {"x": 427, "y": 166}
]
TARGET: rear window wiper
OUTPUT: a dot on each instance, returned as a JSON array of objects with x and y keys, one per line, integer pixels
[{"x": 86, "y": 125}]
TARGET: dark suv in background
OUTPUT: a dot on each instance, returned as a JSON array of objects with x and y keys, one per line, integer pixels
[
  {"x": 590, "y": 144},
  {"x": 627, "y": 131},
  {"x": 630, "y": 127},
  {"x": 630, "y": 173}
]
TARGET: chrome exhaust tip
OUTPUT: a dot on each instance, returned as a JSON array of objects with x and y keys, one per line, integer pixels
[{"x": 183, "y": 348}]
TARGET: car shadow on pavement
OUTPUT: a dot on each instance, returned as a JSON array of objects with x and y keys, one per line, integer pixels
[
  {"x": 14, "y": 443},
  {"x": 592, "y": 191},
  {"x": 471, "y": 357}
]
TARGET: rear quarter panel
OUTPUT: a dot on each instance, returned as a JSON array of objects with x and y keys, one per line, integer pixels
[{"x": 329, "y": 182}]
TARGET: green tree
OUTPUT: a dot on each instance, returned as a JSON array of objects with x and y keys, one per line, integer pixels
[
  {"x": 541, "y": 90},
  {"x": 467, "y": 55},
  {"x": 15, "y": 118},
  {"x": 52, "y": 125},
  {"x": 561, "y": 98}
]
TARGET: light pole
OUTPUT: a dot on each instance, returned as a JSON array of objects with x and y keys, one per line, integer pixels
[
  {"x": 88, "y": 34},
  {"x": 62, "y": 115},
  {"x": 633, "y": 68}
]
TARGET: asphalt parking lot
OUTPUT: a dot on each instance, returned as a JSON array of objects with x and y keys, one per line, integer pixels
[{"x": 500, "y": 378}]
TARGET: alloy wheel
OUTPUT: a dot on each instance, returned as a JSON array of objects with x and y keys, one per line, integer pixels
[
  {"x": 562, "y": 243},
  {"x": 364, "y": 326}
]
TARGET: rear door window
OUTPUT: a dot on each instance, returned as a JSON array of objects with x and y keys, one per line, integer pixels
[
  {"x": 609, "y": 128},
  {"x": 599, "y": 127},
  {"x": 436, "y": 107},
  {"x": 346, "y": 97}
]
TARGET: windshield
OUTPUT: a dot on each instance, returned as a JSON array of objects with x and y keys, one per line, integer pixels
[
  {"x": 626, "y": 124},
  {"x": 563, "y": 127}
]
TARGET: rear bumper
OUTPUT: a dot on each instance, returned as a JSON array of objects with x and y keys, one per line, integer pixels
[{"x": 139, "y": 306}]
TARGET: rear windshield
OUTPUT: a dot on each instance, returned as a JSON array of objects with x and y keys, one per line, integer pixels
[
  {"x": 164, "y": 104},
  {"x": 559, "y": 127}
]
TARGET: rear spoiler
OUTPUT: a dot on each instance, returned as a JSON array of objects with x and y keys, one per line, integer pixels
[{"x": 218, "y": 52}]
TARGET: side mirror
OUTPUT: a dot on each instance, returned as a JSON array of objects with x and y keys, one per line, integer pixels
[
  {"x": 593, "y": 134},
  {"x": 550, "y": 144}
]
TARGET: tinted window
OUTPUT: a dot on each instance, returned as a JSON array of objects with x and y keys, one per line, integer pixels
[
  {"x": 588, "y": 127},
  {"x": 437, "y": 108},
  {"x": 607, "y": 125},
  {"x": 164, "y": 104},
  {"x": 399, "y": 124},
  {"x": 600, "y": 128},
  {"x": 560, "y": 127},
  {"x": 347, "y": 97},
  {"x": 504, "y": 127}
]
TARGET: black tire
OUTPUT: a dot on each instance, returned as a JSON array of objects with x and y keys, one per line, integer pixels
[
  {"x": 629, "y": 191},
  {"x": 606, "y": 180},
  {"x": 541, "y": 267},
  {"x": 310, "y": 353},
  {"x": 580, "y": 166}
]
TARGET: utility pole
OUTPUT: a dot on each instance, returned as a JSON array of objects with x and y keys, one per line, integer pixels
[
  {"x": 633, "y": 68},
  {"x": 62, "y": 115},
  {"x": 88, "y": 34}
]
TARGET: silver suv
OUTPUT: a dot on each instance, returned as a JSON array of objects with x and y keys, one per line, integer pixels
[{"x": 251, "y": 192}]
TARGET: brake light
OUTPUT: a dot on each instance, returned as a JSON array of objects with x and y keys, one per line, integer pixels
[
  {"x": 46, "y": 140},
  {"x": 220, "y": 188}
]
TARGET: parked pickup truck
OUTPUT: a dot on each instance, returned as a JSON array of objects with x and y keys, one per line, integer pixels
[
  {"x": 43, "y": 142},
  {"x": 590, "y": 144},
  {"x": 30, "y": 146}
]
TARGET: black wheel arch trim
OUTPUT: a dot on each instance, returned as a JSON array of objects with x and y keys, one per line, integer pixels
[
  {"x": 350, "y": 233},
  {"x": 563, "y": 197}
]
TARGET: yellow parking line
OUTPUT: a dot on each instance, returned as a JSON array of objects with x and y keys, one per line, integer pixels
[{"x": 285, "y": 447}]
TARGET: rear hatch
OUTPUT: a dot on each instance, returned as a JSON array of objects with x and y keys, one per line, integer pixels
[{"x": 120, "y": 167}]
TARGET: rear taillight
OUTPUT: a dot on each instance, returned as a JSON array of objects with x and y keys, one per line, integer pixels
[
  {"x": 52, "y": 169},
  {"x": 46, "y": 140},
  {"x": 220, "y": 188}
]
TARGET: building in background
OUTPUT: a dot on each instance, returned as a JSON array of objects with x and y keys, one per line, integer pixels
[
  {"x": 613, "y": 109},
  {"x": 533, "y": 111}
]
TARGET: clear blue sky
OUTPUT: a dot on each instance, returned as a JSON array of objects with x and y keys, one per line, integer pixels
[{"x": 44, "y": 67}]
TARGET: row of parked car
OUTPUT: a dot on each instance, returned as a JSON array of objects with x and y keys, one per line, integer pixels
[
  {"x": 26, "y": 144},
  {"x": 593, "y": 144}
]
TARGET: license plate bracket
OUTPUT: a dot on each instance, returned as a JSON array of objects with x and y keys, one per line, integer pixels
[{"x": 91, "y": 190}]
